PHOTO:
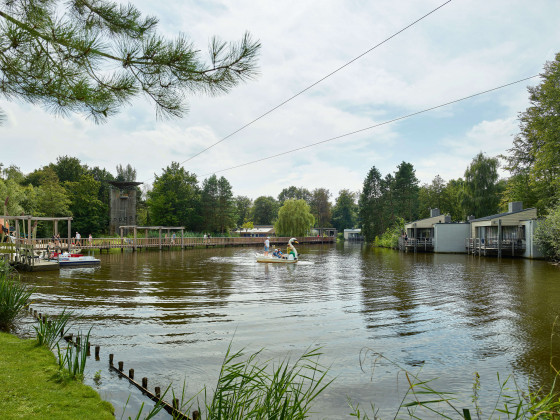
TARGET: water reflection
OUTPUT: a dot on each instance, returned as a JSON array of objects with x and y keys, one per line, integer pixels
[{"x": 171, "y": 315}]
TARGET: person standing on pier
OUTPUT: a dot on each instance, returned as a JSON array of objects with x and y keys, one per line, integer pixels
[{"x": 78, "y": 238}]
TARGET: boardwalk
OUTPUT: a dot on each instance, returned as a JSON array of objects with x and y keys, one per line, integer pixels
[{"x": 32, "y": 255}]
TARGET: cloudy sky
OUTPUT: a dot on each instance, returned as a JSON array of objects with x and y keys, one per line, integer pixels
[{"x": 466, "y": 47}]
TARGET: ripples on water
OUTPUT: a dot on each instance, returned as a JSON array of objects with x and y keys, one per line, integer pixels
[{"x": 172, "y": 315}]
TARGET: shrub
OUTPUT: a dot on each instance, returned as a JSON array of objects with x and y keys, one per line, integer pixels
[{"x": 14, "y": 296}]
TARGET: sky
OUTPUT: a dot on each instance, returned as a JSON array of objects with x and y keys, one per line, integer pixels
[{"x": 463, "y": 48}]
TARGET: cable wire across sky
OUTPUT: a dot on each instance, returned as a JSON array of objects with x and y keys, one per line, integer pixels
[
  {"x": 372, "y": 126},
  {"x": 314, "y": 84}
]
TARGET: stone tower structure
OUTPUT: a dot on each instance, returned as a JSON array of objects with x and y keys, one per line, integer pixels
[{"x": 123, "y": 205}]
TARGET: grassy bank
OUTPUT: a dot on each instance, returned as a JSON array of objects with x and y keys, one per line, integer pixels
[{"x": 31, "y": 388}]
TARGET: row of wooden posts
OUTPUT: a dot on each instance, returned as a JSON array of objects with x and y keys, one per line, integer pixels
[{"x": 173, "y": 409}]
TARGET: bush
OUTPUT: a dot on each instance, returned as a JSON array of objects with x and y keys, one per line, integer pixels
[
  {"x": 14, "y": 296},
  {"x": 390, "y": 239},
  {"x": 547, "y": 234}
]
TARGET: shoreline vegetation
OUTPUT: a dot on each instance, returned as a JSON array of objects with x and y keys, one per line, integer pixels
[{"x": 33, "y": 387}]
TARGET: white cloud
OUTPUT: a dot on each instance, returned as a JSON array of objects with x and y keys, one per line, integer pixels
[{"x": 464, "y": 48}]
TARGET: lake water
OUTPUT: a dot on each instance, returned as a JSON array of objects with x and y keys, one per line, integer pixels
[{"x": 171, "y": 315}]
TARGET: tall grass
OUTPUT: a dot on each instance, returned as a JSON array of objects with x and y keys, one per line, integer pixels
[
  {"x": 72, "y": 361},
  {"x": 14, "y": 296},
  {"x": 48, "y": 333},
  {"x": 421, "y": 400},
  {"x": 253, "y": 389}
]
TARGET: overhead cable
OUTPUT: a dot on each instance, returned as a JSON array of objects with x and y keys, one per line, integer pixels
[
  {"x": 314, "y": 84},
  {"x": 372, "y": 126}
]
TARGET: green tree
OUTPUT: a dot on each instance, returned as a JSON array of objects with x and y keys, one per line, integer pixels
[
  {"x": 454, "y": 192},
  {"x": 294, "y": 219},
  {"x": 536, "y": 148},
  {"x": 321, "y": 207},
  {"x": 103, "y": 177},
  {"x": 126, "y": 174},
  {"x": 433, "y": 196},
  {"x": 51, "y": 197},
  {"x": 344, "y": 213},
  {"x": 87, "y": 210},
  {"x": 210, "y": 204},
  {"x": 371, "y": 205},
  {"x": 175, "y": 199},
  {"x": 265, "y": 210},
  {"x": 405, "y": 192},
  {"x": 294, "y": 193},
  {"x": 481, "y": 190},
  {"x": 12, "y": 172},
  {"x": 93, "y": 56},
  {"x": 68, "y": 168},
  {"x": 16, "y": 195},
  {"x": 519, "y": 187},
  {"x": 243, "y": 205},
  {"x": 227, "y": 210}
]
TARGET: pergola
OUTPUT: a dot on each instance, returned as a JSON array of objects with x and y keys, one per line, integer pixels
[
  {"x": 158, "y": 228},
  {"x": 30, "y": 219}
]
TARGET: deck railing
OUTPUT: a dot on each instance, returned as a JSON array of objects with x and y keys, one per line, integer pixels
[
  {"x": 45, "y": 244},
  {"x": 420, "y": 244},
  {"x": 493, "y": 245}
]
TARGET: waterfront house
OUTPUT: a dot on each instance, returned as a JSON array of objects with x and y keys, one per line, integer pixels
[
  {"x": 435, "y": 234},
  {"x": 353, "y": 235},
  {"x": 510, "y": 233},
  {"x": 260, "y": 231}
]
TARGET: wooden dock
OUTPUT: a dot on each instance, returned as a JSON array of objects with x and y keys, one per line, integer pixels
[{"x": 30, "y": 255}]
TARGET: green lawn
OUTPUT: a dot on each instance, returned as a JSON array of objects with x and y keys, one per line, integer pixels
[{"x": 30, "y": 388}]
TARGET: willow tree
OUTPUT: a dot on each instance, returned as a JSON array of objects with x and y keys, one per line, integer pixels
[
  {"x": 93, "y": 56},
  {"x": 481, "y": 188},
  {"x": 294, "y": 219}
]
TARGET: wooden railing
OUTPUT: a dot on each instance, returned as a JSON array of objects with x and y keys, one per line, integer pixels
[
  {"x": 421, "y": 244},
  {"x": 483, "y": 246},
  {"x": 42, "y": 244}
]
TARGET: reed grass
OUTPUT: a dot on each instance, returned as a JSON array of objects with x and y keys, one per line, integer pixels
[
  {"x": 257, "y": 390},
  {"x": 72, "y": 361},
  {"x": 421, "y": 400},
  {"x": 48, "y": 333},
  {"x": 14, "y": 296}
]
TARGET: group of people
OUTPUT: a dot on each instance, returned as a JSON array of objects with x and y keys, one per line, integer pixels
[{"x": 277, "y": 252}]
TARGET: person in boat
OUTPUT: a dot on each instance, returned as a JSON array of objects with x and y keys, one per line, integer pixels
[
  {"x": 280, "y": 254},
  {"x": 275, "y": 253},
  {"x": 266, "y": 246}
]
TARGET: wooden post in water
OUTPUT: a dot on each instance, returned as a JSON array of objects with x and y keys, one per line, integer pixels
[
  {"x": 121, "y": 366},
  {"x": 160, "y": 237},
  {"x": 135, "y": 237},
  {"x": 111, "y": 359},
  {"x": 500, "y": 238},
  {"x": 69, "y": 235},
  {"x": 131, "y": 373},
  {"x": 158, "y": 392},
  {"x": 195, "y": 415},
  {"x": 182, "y": 238},
  {"x": 145, "y": 383}
]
